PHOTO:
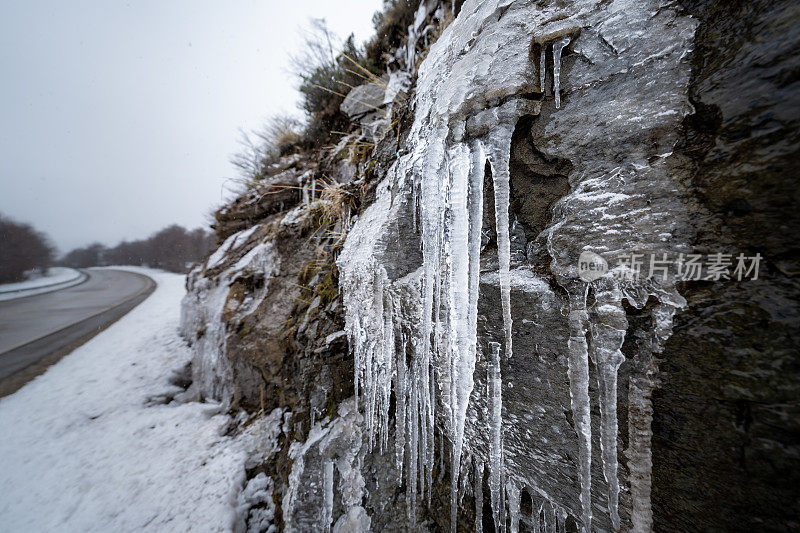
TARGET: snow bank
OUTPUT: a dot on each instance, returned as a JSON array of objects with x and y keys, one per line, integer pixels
[
  {"x": 56, "y": 278},
  {"x": 84, "y": 447}
]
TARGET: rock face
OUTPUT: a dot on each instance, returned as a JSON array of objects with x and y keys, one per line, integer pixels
[{"x": 468, "y": 374}]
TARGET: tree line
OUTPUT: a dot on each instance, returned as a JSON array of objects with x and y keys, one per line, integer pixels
[{"x": 174, "y": 248}]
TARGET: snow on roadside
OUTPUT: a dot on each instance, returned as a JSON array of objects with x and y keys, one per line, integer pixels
[
  {"x": 82, "y": 447},
  {"x": 56, "y": 278}
]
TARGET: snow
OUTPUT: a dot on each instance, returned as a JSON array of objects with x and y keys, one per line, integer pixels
[
  {"x": 232, "y": 242},
  {"x": 56, "y": 278},
  {"x": 88, "y": 447}
]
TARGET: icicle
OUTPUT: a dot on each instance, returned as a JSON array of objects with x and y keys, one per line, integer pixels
[
  {"x": 477, "y": 169},
  {"x": 640, "y": 419},
  {"x": 558, "y": 46},
  {"x": 608, "y": 334},
  {"x": 512, "y": 490},
  {"x": 495, "y": 435},
  {"x": 400, "y": 407},
  {"x": 578, "y": 372},
  {"x": 461, "y": 336},
  {"x": 306, "y": 199},
  {"x": 502, "y": 192},
  {"x": 327, "y": 492},
  {"x": 413, "y": 450},
  {"x": 536, "y": 517},
  {"x": 640, "y": 461},
  {"x": 543, "y": 69},
  {"x": 313, "y": 189},
  {"x": 388, "y": 364},
  {"x": 478, "y": 496},
  {"x": 545, "y": 516},
  {"x": 440, "y": 478},
  {"x": 433, "y": 189},
  {"x": 561, "y": 519}
]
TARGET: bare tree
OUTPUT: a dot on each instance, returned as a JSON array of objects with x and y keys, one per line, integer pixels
[{"x": 22, "y": 248}]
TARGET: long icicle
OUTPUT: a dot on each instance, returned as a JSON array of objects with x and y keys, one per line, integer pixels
[
  {"x": 578, "y": 372},
  {"x": 513, "y": 491},
  {"x": 640, "y": 461},
  {"x": 462, "y": 353},
  {"x": 502, "y": 194},
  {"x": 494, "y": 380},
  {"x": 608, "y": 334},
  {"x": 400, "y": 394},
  {"x": 640, "y": 420},
  {"x": 478, "y": 495},
  {"x": 431, "y": 206}
]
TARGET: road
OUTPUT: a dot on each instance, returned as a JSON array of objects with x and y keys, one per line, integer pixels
[{"x": 35, "y": 331}]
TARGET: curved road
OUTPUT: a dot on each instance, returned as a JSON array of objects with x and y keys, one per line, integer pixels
[{"x": 37, "y": 330}]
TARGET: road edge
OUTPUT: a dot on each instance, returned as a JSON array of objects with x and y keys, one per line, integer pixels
[
  {"x": 18, "y": 294},
  {"x": 19, "y": 379}
]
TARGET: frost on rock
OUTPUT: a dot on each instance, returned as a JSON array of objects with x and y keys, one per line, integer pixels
[
  {"x": 257, "y": 499},
  {"x": 209, "y": 304},
  {"x": 308, "y": 502},
  {"x": 259, "y": 442}
]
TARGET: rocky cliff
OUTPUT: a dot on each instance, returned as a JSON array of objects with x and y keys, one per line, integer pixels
[{"x": 522, "y": 293}]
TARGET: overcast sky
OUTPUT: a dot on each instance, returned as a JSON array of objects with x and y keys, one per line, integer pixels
[{"x": 118, "y": 118}]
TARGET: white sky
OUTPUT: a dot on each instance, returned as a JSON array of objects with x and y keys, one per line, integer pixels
[{"x": 118, "y": 118}]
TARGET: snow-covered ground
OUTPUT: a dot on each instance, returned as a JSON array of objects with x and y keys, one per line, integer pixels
[
  {"x": 84, "y": 448},
  {"x": 56, "y": 278}
]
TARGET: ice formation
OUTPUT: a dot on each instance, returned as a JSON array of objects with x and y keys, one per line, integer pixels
[
  {"x": 331, "y": 446},
  {"x": 513, "y": 495},
  {"x": 327, "y": 491},
  {"x": 558, "y": 46},
  {"x": 478, "y": 494},
  {"x": 415, "y": 334},
  {"x": 607, "y": 334},
  {"x": 578, "y": 371},
  {"x": 496, "y": 467},
  {"x": 208, "y": 303}
]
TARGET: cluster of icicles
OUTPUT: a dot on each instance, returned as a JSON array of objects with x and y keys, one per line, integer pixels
[
  {"x": 444, "y": 351},
  {"x": 429, "y": 365}
]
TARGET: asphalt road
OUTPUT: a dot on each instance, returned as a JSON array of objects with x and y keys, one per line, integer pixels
[{"x": 35, "y": 331}]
